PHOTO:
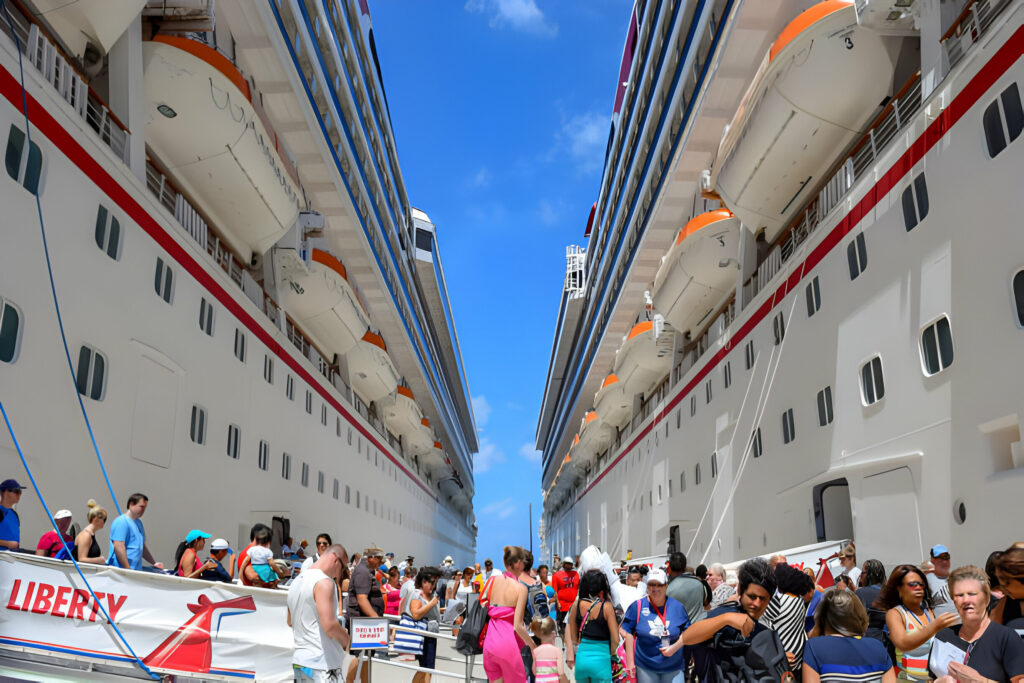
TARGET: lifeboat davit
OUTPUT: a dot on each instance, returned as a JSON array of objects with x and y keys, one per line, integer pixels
[
  {"x": 401, "y": 414},
  {"x": 815, "y": 92},
  {"x": 595, "y": 436},
  {"x": 645, "y": 356},
  {"x": 317, "y": 294},
  {"x": 613, "y": 406},
  {"x": 699, "y": 270},
  {"x": 202, "y": 126},
  {"x": 370, "y": 370}
]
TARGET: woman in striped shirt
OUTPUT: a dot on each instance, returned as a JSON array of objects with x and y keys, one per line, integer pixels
[
  {"x": 788, "y": 609},
  {"x": 841, "y": 654}
]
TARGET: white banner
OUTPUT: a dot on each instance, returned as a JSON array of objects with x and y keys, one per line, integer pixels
[{"x": 178, "y": 626}]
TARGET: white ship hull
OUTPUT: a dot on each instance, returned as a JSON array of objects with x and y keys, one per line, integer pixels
[{"x": 937, "y": 459}]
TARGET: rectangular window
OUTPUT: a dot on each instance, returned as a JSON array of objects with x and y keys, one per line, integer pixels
[
  {"x": 857, "y": 256},
  {"x": 937, "y": 347},
  {"x": 10, "y": 334},
  {"x": 239, "y": 344},
  {"x": 871, "y": 383},
  {"x": 309, "y": 401},
  {"x": 24, "y": 166},
  {"x": 1003, "y": 120},
  {"x": 693, "y": 406},
  {"x": 779, "y": 328},
  {"x": 714, "y": 465},
  {"x": 286, "y": 466},
  {"x": 90, "y": 377},
  {"x": 323, "y": 415},
  {"x": 337, "y": 426},
  {"x": 755, "y": 443},
  {"x": 108, "y": 233},
  {"x": 268, "y": 368},
  {"x": 915, "y": 202},
  {"x": 727, "y": 374},
  {"x": 788, "y": 427},
  {"x": 163, "y": 281},
  {"x": 289, "y": 388},
  {"x": 234, "y": 436},
  {"x": 197, "y": 430},
  {"x": 337, "y": 487},
  {"x": 707, "y": 391},
  {"x": 696, "y": 475},
  {"x": 348, "y": 495},
  {"x": 206, "y": 316},
  {"x": 813, "y": 293},
  {"x": 749, "y": 354},
  {"x": 264, "y": 456},
  {"x": 825, "y": 407},
  {"x": 305, "y": 474}
]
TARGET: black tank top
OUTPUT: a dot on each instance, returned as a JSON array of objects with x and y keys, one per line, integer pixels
[
  {"x": 94, "y": 549},
  {"x": 596, "y": 627}
]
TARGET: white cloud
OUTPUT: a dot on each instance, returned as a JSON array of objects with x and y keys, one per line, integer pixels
[
  {"x": 584, "y": 137},
  {"x": 482, "y": 178},
  {"x": 481, "y": 410},
  {"x": 548, "y": 213},
  {"x": 487, "y": 457},
  {"x": 528, "y": 451},
  {"x": 502, "y": 509},
  {"x": 521, "y": 15}
]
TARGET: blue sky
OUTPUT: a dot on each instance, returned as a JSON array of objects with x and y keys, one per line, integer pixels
[{"x": 501, "y": 111}]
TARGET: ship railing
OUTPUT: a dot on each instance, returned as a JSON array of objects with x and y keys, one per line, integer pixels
[
  {"x": 194, "y": 224},
  {"x": 62, "y": 72},
  {"x": 972, "y": 23}
]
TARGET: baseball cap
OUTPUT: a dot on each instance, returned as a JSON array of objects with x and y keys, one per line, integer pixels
[
  {"x": 219, "y": 544},
  {"x": 568, "y": 560},
  {"x": 939, "y": 550},
  {"x": 61, "y": 514},
  {"x": 448, "y": 558},
  {"x": 657, "y": 576},
  {"x": 10, "y": 485},
  {"x": 194, "y": 534}
]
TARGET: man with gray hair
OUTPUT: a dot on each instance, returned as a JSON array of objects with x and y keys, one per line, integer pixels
[
  {"x": 320, "y": 639},
  {"x": 721, "y": 591}
]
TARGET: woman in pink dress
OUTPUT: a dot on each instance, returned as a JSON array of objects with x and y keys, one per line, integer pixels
[
  {"x": 392, "y": 591},
  {"x": 505, "y": 598}
]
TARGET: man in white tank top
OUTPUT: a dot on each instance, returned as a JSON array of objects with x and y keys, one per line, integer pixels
[{"x": 320, "y": 639}]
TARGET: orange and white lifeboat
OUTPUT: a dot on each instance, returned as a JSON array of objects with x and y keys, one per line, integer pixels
[
  {"x": 372, "y": 373},
  {"x": 421, "y": 440},
  {"x": 611, "y": 403},
  {"x": 816, "y": 90},
  {"x": 434, "y": 459},
  {"x": 698, "y": 271},
  {"x": 318, "y": 295},
  {"x": 401, "y": 414},
  {"x": 203, "y": 127},
  {"x": 645, "y": 356},
  {"x": 594, "y": 437}
]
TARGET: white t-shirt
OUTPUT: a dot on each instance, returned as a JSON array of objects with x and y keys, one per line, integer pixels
[
  {"x": 313, "y": 647},
  {"x": 940, "y": 594},
  {"x": 260, "y": 555},
  {"x": 408, "y": 590},
  {"x": 854, "y": 574},
  {"x": 308, "y": 562}
]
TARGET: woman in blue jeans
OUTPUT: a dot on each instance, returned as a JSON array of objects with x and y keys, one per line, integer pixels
[{"x": 656, "y": 621}]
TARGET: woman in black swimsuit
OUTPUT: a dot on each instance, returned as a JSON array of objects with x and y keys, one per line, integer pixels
[{"x": 86, "y": 547}]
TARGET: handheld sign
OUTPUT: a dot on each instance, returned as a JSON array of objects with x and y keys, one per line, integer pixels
[{"x": 369, "y": 633}]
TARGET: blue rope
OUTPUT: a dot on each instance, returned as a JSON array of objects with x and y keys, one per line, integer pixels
[
  {"x": 49, "y": 267},
  {"x": 53, "y": 523}
]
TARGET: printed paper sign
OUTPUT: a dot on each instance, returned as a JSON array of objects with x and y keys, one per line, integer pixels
[{"x": 369, "y": 633}]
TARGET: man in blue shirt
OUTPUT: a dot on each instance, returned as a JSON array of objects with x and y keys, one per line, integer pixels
[
  {"x": 10, "y": 523},
  {"x": 128, "y": 537}
]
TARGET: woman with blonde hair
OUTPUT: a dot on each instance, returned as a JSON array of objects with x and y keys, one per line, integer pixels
[
  {"x": 86, "y": 547},
  {"x": 990, "y": 651},
  {"x": 841, "y": 653}
]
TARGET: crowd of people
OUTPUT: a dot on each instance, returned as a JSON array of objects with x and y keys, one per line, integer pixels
[{"x": 636, "y": 623}]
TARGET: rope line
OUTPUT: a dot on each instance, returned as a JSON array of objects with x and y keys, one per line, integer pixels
[
  {"x": 49, "y": 266},
  {"x": 71, "y": 554}
]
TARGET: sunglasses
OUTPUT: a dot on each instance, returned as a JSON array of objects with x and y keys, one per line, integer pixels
[
  {"x": 914, "y": 584},
  {"x": 321, "y": 544},
  {"x": 943, "y": 556}
]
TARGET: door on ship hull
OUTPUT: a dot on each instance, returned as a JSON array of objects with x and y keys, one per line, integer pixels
[{"x": 833, "y": 513}]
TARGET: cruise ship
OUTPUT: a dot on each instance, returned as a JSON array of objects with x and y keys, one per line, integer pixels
[
  {"x": 794, "y": 312},
  {"x": 213, "y": 286}
]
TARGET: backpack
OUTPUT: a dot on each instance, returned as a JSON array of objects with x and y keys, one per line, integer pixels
[
  {"x": 761, "y": 660},
  {"x": 536, "y": 602},
  {"x": 474, "y": 627}
]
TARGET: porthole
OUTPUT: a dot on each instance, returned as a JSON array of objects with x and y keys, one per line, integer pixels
[{"x": 959, "y": 511}]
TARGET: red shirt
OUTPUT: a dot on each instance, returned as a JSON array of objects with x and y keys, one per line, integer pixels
[
  {"x": 51, "y": 543},
  {"x": 566, "y": 585},
  {"x": 241, "y": 558}
]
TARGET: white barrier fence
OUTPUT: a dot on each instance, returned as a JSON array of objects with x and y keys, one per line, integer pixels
[{"x": 183, "y": 627}]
